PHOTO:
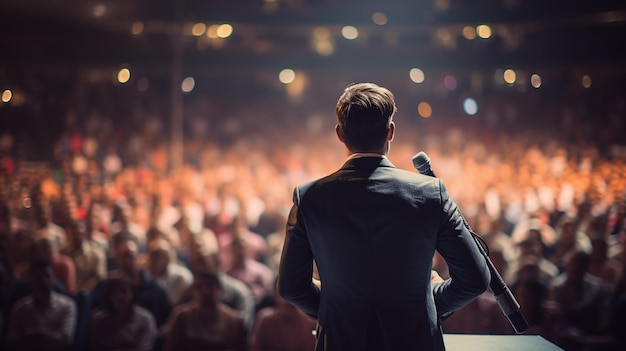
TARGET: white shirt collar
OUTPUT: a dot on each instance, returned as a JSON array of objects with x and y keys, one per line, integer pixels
[{"x": 365, "y": 154}]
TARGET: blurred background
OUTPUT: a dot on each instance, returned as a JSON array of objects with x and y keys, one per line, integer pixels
[{"x": 205, "y": 114}]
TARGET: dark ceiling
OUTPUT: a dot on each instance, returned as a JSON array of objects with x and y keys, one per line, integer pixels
[{"x": 272, "y": 33}]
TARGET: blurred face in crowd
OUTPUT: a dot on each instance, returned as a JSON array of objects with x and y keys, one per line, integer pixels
[
  {"x": 207, "y": 289},
  {"x": 121, "y": 297},
  {"x": 78, "y": 232},
  {"x": 568, "y": 233},
  {"x": 45, "y": 248},
  {"x": 126, "y": 255},
  {"x": 158, "y": 257},
  {"x": 577, "y": 266},
  {"x": 531, "y": 247},
  {"x": 42, "y": 278},
  {"x": 238, "y": 249}
]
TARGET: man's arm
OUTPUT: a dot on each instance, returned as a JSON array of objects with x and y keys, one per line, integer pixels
[
  {"x": 296, "y": 265},
  {"x": 469, "y": 275}
]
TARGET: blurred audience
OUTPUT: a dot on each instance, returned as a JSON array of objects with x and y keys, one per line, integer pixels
[
  {"x": 88, "y": 257},
  {"x": 44, "y": 320},
  {"x": 282, "y": 328},
  {"x": 146, "y": 291},
  {"x": 171, "y": 276},
  {"x": 121, "y": 324},
  {"x": 206, "y": 323},
  {"x": 107, "y": 209}
]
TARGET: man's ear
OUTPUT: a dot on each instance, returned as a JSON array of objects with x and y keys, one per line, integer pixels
[
  {"x": 338, "y": 132},
  {"x": 391, "y": 132}
]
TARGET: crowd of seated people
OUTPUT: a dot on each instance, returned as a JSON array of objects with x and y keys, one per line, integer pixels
[{"x": 106, "y": 248}]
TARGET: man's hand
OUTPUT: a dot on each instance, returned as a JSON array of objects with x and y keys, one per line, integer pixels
[{"x": 435, "y": 277}]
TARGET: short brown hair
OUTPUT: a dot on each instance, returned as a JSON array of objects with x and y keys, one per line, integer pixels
[{"x": 364, "y": 112}]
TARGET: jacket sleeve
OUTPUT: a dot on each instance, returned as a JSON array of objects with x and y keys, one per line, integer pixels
[
  {"x": 469, "y": 274},
  {"x": 296, "y": 264}
]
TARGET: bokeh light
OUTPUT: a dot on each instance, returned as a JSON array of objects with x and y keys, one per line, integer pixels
[
  {"x": 198, "y": 29},
  {"x": 535, "y": 81},
  {"x": 7, "y": 95},
  {"x": 188, "y": 84},
  {"x": 586, "y": 81},
  {"x": 470, "y": 106},
  {"x": 324, "y": 47},
  {"x": 379, "y": 18},
  {"x": 224, "y": 30},
  {"x": 417, "y": 75},
  {"x": 123, "y": 75},
  {"x": 509, "y": 76},
  {"x": 270, "y": 6},
  {"x": 483, "y": 31},
  {"x": 350, "y": 32},
  {"x": 469, "y": 32},
  {"x": 424, "y": 109},
  {"x": 136, "y": 28},
  {"x": 143, "y": 84},
  {"x": 99, "y": 10},
  {"x": 449, "y": 82},
  {"x": 321, "y": 33},
  {"x": 211, "y": 32},
  {"x": 287, "y": 76}
]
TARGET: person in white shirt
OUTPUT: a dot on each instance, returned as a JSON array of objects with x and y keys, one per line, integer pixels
[
  {"x": 162, "y": 265},
  {"x": 44, "y": 320}
]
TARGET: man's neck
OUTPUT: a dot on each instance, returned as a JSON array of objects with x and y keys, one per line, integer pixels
[{"x": 365, "y": 154}]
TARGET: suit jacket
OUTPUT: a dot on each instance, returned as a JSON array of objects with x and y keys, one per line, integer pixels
[{"x": 372, "y": 229}]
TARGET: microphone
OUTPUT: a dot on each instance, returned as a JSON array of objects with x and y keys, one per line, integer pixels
[
  {"x": 509, "y": 306},
  {"x": 421, "y": 162}
]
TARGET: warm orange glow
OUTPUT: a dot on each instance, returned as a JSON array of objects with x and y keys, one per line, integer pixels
[
  {"x": 321, "y": 33},
  {"x": 483, "y": 31},
  {"x": 417, "y": 75},
  {"x": 7, "y": 95},
  {"x": 424, "y": 109},
  {"x": 469, "y": 33},
  {"x": 324, "y": 47},
  {"x": 123, "y": 75},
  {"x": 188, "y": 84},
  {"x": 535, "y": 81},
  {"x": 586, "y": 81},
  {"x": 287, "y": 76},
  {"x": 212, "y": 31},
  {"x": 198, "y": 29},
  {"x": 137, "y": 28},
  {"x": 350, "y": 32},
  {"x": 379, "y": 18},
  {"x": 510, "y": 76},
  {"x": 224, "y": 30}
]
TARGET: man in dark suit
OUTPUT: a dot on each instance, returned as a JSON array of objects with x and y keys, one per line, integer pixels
[{"x": 372, "y": 230}]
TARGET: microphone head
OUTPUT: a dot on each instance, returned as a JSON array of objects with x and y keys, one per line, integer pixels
[{"x": 421, "y": 162}]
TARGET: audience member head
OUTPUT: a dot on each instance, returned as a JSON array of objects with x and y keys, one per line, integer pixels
[
  {"x": 41, "y": 276},
  {"x": 118, "y": 296},
  {"x": 567, "y": 231},
  {"x": 531, "y": 247},
  {"x": 577, "y": 266},
  {"x": 125, "y": 251},
  {"x": 239, "y": 247},
  {"x": 599, "y": 250},
  {"x": 78, "y": 232},
  {"x": 204, "y": 251},
  {"x": 364, "y": 117},
  {"x": 160, "y": 255},
  {"x": 207, "y": 289},
  {"x": 44, "y": 248}
]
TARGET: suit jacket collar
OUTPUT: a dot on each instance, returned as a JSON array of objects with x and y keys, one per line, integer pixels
[{"x": 367, "y": 162}]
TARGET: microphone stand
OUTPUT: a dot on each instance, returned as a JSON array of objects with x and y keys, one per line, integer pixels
[{"x": 507, "y": 302}]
